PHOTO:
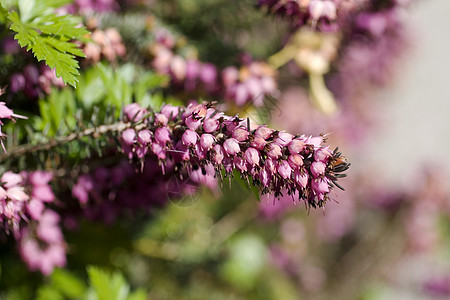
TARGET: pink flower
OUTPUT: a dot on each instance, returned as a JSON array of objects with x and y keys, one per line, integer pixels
[
  {"x": 207, "y": 141},
  {"x": 274, "y": 151},
  {"x": 210, "y": 125},
  {"x": 284, "y": 169},
  {"x": 295, "y": 146},
  {"x": 128, "y": 136},
  {"x": 240, "y": 134},
  {"x": 322, "y": 154},
  {"x": 231, "y": 146},
  {"x": 295, "y": 161},
  {"x": 134, "y": 112},
  {"x": 162, "y": 135},
  {"x": 145, "y": 136},
  {"x": 264, "y": 132},
  {"x": 252, "y": 156},
  {"x": 190, "y": 137},
  {"x": 317, "y": 168},
  {"x": 170, "y": 111}
]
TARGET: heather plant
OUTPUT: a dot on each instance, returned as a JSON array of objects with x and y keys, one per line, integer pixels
[{"x": 189, "y": 150}]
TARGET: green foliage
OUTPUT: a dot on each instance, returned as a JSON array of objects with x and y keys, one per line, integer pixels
[
  {"x": 103, "y": 286},
  {"x": 104, "y": 85},
  {"x": 68, "y": 284},
  {"x": 106, "y": 286},
  {"x": 48, "y": 35}
]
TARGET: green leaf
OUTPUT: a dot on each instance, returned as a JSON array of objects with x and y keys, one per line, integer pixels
[
  {"x": 106, "y": 286},
  {"x": 48, "y": 37},
  {"x": 68, "y": 284}
]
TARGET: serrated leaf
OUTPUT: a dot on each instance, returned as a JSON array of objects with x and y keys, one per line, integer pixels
[
  {"x": 48, "y": 37},
  {"x": 65, "y": 25},
  {"x": 68, "y": 284}
]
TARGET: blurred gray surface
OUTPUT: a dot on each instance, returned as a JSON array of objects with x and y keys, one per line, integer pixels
[{"x": 416, "y": 124}]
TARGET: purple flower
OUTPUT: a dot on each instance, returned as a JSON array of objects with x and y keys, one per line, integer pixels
[
  {"x": 275, "y": 161},
  {"x": 231, "y": 146}
]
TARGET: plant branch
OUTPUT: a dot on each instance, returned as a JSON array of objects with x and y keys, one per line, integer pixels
[{"x": 57, "y": 141}]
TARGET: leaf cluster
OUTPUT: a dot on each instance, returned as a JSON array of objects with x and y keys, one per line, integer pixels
[{"x": 48, "y": 35}]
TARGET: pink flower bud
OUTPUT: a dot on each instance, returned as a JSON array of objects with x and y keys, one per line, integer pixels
[
  {"x": 159, "y": 151},
  {"x": 283, "y": 139},
  {"x": 219, "y": 155},
  {"x": 258, "y": 143},
  {"x": 295, "y": 161},
  {"x": 11, "y": 179},
  {"x": 322, "y": 154},
  {"x": 199, "y": 152},
  {"x": 128, "y": 136},
  {"x": 35, "y": 208},
  {"x": 274, "y": 151},
  {"x": 43, "y": 192},
  {"x": 141, "y": 151},
  {"x": 301, "y": 178},
  {"x": 161, "y": 120},
  {"x": 162, "y": 135},
  {"x": 193, "y": 123},
  {"x": 207, "y": 141},
  {"x": 240, "y": 164},
  {"x": 144, "y": 137},
  {"x": 240, "y": 134},
  {"x": 264, "y": 132},
  {"x": 252, "y": 156},
  {"x": 315, "y": 141},
  {"x": 317, "y": 168},
  {"x": 231, "y": 146},
  {"x": 284, "y": 169},
  {"x": 40, "y": 177},
  {"x": 189, "y": 137},
  {"x": 16, "y": 193},
  {"x": 320, "y": 186},
  {"x": 170, "y": 111},
  {"x": 295, "y": 146},
  {"x": 134, "y": 112},
  {"x": 210, "y": 125}
]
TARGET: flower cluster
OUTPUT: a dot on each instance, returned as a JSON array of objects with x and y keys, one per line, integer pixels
[
  {"x": 107, "y": 193},
  {"x": 105, "y": 43},
  {"x": 41, "y": 244},
  {"x": 24, "y": 200},
  {"x": 200, "y": 137},
  {"x": 23, "y": 197},
  {"x": 321, "y": 14},
  {"x": 249, "y": 83},
  {"x": 33, "y": 81}
]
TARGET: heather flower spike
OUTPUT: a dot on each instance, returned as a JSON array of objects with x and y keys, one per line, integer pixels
[{"x": 275, "y": 162}]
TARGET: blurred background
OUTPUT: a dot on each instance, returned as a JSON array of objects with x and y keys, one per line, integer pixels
[{"x": 375, "y": 84}]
